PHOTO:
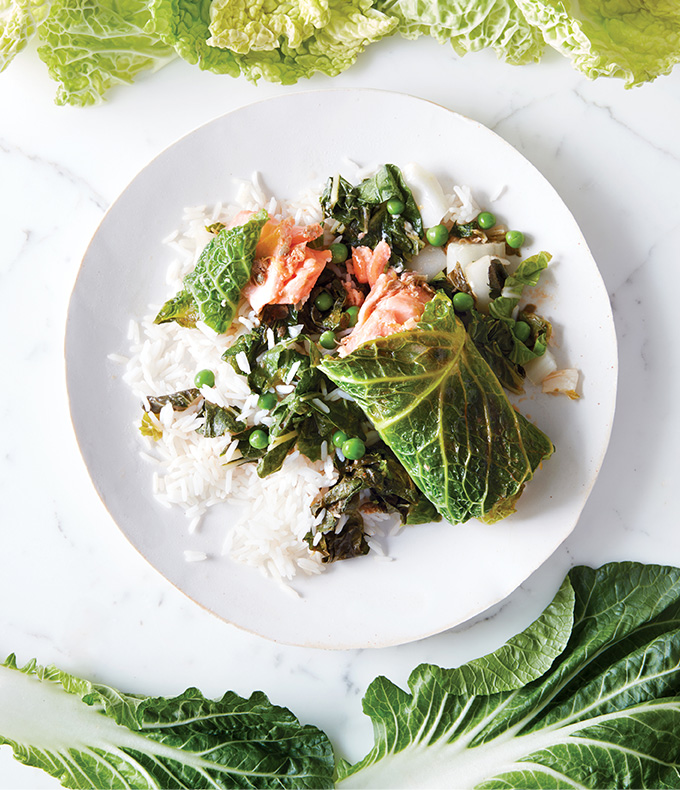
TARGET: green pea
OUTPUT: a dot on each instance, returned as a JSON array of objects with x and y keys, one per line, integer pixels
[
  {"x": 522, "y": 331},
  {"x": 259, "y": 439},
  {"x": 514, "y": 239},
  {"x": 339, "y": 252},
  {"x": 353, "y": 448},
  {"x": 395, "y": 206},
  {"x": 204, "y": 378},
  {"x": 267, "y": 401},
  {"x": 437, "y": 235},
  {"x": 353, "y": 313},
  {"x": 324, "y": 301},
  {"x": 327, "y": 339},
  {"x": 486, "y": 220},
  {"x": 339, "y": 438},
  {"x": 462, "y": 302}
]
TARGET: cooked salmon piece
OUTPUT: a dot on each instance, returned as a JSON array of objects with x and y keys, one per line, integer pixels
[
  {"x": 395, "y": 303},
  {"x": 285, "y": 270},
  {"x": 369, "y": 264}
]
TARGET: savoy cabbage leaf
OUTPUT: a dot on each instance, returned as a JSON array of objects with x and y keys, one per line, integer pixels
[
  {"x": 222, "y": 270},
  {"x": 634, "y": 40},
  {"x": 91, "y": 45},
  {"x": 184, "y": 25},
  {"x": 468, "y": 27},
  {"x": 243, "y": 25},
  {"x": 437, "y": 404},
  {"x": 605, "y": 714},
  {"x": 18, "y": 22},
  {"x": 91, "y": 735}
]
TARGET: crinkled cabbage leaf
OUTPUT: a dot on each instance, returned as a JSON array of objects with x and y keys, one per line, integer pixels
[
  {"x": 91, "y": 45},
  {"x": 184, "y": 25},
  {"x": 212, "y": 290},
  {"x": 437, "y": 404},
  {"x": 352, "y": 26},
  {"x": 468, "y": 27},
  {"x": 243, "y": 25},
  {"x": 635, "y": 40},
  {"x": 18, "y": 22}
]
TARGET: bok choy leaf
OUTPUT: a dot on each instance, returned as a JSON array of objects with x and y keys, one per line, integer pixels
[
  {"x": 89, "y": 735},
  {"x": 438, "y": 405},
  {"x": 605, "y": 714}
]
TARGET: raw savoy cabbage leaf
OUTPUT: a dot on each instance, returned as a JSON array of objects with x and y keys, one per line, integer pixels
[
  {"x": 635, "y": 40},
  {"x": 243, "y": 26},
  {"x": 91, "y": 45},
  {"x": 90, "y": 735},
  {"x": 605, "y": 714},
  {"x": 183, "y": 24},
  {"x": 436, "y": 403},
  {"x": 349, "y": 28},
  {"x": 18, "y": 21},
  {"x": 469, "y": 27}
]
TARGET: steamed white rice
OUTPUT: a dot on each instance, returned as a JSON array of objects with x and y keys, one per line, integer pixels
[{"x": 196, "y": 473}]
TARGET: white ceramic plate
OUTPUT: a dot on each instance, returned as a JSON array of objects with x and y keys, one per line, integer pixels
[{"x": 441, "y": 574}]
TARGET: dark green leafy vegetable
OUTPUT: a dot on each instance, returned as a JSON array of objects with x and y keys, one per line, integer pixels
[
  {"x": 213, "y": 289},
  {"x": 390, "y": 490},
  {"x": 222, "y": 270},
  {"x": 219, "y": 420},
  {"x": 180, "y": 400},
  {"x": 587, "y": 696},
  {"x": 363, "y": 211},
  {"x": 437, "y": 404},
  {"x": 88, "y": 735},
  {"x": 181, "y": 309}
]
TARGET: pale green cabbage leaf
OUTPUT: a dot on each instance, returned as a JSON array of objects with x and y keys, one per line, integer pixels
[
  {"x": 251, "y": 25},
  {"x": 91, "y": 45},
  {"x": 90, "y": 735},
  {"x": 184, "y": 25},
  {"x": 469, "y": 27},
  {"x": 18, "y": 22},
  {"x": 353, "y": 25},
  {"x": 605, "y": 714},
  {"x": 635, "y": 40}
]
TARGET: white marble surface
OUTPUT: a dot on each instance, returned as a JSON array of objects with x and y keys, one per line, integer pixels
[{"x": 72, "y": 590}]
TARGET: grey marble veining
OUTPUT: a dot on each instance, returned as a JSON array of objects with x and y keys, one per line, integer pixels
[{"x": 73, "y": 590}]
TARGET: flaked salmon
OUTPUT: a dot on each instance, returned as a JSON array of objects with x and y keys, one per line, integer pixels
[
  {"x": 285, "y": 269},
  {"x": 394, "y": 303}
]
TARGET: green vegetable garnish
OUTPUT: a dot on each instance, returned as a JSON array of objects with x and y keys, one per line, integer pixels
[
  {"x": 339, "y": 438},
  {"x": 204, "y": 378},
  {"x": 327, "y": 339},
  {"x": 486, "y": 220},
  {"x": 339, "y": 252},
  {"x": 462, "y": 302},
  {"x": 395, "y": 206},
  {"x": 324, "y": 301},
  {"x": 258, "y": 439},
  {"x": 353, "y": 313},
  {"x": 514, "y": 239},
  {"x": 267, "y": 401},
  {"x": 353, "y": 448},
  {"x": 437, "y": 235}
]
